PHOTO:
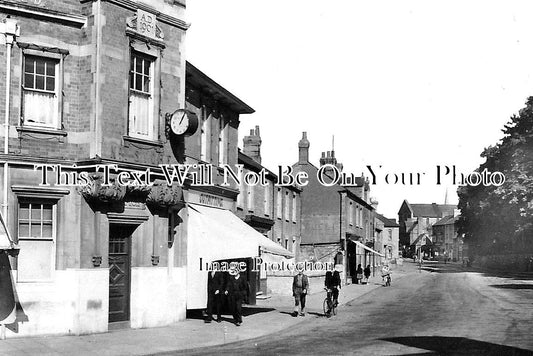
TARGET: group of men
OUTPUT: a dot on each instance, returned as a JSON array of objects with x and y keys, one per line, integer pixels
[{"x": 222, "y": 284}]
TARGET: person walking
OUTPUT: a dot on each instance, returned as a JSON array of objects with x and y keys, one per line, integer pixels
[
  {"x": 359, "y": 274},
  {"x": 237, "y": 289},
  {"x": 367, "y": 273},
  {"x": 215, "y": 288},
  {"x": 300, "y": 287}
]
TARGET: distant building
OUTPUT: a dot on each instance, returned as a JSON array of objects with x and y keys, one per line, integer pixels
[
  {"x": 337, "y": 223},
  {"x": 416, "y": 221},
  {"x": 390, "y": 237},
  {"x": 445, "y": 237},
  {"x": 273, "y": 211}
]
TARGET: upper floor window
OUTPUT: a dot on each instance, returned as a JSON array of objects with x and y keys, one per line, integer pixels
[
  {"x": 279, "y": 202},
  {"x": 294, "y": 211},
  {"x": 141, "y": 98},
  {"x": 204, "y": 143},
  {"x": 287, "y": 202},
  {"x": 41, "y": 88},
  {"x": 222, "y": 142},
  {"x": 350, "y": 213},
  {"x": 267, "y": 198},
  {"x": 250, "y": 189}
]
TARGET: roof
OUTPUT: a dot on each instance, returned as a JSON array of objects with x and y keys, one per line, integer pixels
[
  {"x": 198, "y": 79},
  {"x": 447, "y": 220},
  {"x": 386, "y": 221},
  {"x": 423, "y": 239},
  {"x": 249, "y": 162},
  {"x": 432, "y": 210}
]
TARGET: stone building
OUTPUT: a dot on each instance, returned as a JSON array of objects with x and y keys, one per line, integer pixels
[
  {"x": 337, "y": 223},
  {"x": 89, "y": 84},
  {"x": 390, "y": 238},
  {"x": 101, "y": 105},
  {"x": 416, "y": 222},
  {"x": 445, "y": 237},
  {"x": 271, "y": 209}
]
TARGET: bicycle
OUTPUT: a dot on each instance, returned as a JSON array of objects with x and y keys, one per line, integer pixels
[
  {"x": 387, "y": 280},
  {"x": 330, "y": 306}
]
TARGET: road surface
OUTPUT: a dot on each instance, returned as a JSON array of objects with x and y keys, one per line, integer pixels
[{"x": 439, "y": 310}]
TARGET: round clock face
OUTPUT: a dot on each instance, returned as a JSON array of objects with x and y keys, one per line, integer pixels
[{"x": 179, "y": 123}]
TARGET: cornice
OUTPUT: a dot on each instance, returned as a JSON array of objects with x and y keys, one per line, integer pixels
[
  {"x": 77, "y": 21},
  {"x": 131, "y": 5}
]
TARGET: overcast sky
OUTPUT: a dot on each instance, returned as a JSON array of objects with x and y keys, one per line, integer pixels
[{"x": 407, "y": 85}]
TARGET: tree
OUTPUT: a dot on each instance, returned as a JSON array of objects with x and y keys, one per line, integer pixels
[{"x": 495, "y": 218}]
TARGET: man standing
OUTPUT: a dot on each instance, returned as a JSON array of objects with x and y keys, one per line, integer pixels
[
  {"x": 237, "y": 287},
  {"x": 215, "y": 286},
  {"x": 300, "y": 286}
]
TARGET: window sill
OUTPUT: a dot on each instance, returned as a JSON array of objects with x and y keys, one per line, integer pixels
[
  {"x": 154, "y": 143},
  {"x": 41, "y": 130}
]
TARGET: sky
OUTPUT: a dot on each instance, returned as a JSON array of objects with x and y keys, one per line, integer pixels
[{"x": 405, "y": 85}]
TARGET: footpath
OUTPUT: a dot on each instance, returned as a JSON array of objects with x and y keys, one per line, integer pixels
[{"x": 268, "y": 316}]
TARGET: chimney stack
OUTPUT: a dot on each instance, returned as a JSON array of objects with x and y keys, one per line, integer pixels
[
  {"x": 303, "y": 149},
  {"x": 252, "y": 145}
]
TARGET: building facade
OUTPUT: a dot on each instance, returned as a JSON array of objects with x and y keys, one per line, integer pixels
[
  {"x": 337, "y": 224},
  {"x": 271, "y": 209},
  {"x": 416, "y": 221}
]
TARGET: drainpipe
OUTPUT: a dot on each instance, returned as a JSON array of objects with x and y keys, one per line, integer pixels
[{"x": 10, "y": 29}]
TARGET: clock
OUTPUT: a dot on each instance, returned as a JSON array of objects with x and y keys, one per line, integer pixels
[{"x": 183, "y": 123}]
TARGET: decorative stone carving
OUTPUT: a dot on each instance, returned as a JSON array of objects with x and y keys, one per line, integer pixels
[
  {"x": 97, "y": 191},
  {"x": 145, "y": 24},
  {"x": 163, "y": 196}
]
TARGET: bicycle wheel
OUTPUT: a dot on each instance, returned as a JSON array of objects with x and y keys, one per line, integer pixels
[{"x": 326, "y": 306}]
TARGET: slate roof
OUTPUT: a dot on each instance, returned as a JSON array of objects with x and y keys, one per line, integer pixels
[
  {"x": 447, "y": 220},
  {"x": 432, "y": 210},
  {"x": 387, "y": 222}
]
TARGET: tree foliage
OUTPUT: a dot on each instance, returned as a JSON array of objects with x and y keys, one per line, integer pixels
[{"x": 495, "y": 219}]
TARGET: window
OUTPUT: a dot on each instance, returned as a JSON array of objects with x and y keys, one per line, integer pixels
[
  {"x": 250, "y": 203},
  {"x": 268, "y": 190},
  {"x": 294, "y": 207},
  {"x": 279, "y": 204},
  {"x": 287, "y": 202},
  {"x": 41, "y": 88},
  {"x": 286, "y": 243},
  {"x": 240, "y": 197},
  {"x": 141, "y": 103},
  {"x": 36, "y": 237},
  {"x": 204, "y": 151},
  {"x": 350, "y": 214},
  {"x": 222, "y": 146}
]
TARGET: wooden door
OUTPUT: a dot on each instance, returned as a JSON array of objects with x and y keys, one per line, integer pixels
[{"x": 119, "y": 272}]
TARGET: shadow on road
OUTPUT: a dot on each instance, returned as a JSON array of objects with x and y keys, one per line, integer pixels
[
  {"x": 443, "y": 345},
  {"x": 512, "y": 286},
  {"x": 451, "y": 268},
  {"x": 246, "y": 311}
]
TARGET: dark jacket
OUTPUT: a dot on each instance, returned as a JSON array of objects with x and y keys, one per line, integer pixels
[
  {"x": 299, "y": 289},
  {"x": 367, "y": 272},
  {"x": 237, "y": 288},
  {"x": 216, "y": 282}
]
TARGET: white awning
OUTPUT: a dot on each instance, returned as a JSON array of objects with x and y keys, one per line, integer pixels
[
  {"x": 6, "y": 242},
  {"x": 215, "y": 234},
  {"x": 367, "y": 248}
]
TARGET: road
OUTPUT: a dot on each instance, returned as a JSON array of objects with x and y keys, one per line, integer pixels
[{"x": 441, "y": 310}]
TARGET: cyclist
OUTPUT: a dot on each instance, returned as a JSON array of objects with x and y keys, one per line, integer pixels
[{"x": 385, "y": 274}]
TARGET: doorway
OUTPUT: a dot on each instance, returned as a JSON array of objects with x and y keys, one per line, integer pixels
[{"x": 119, "y": 272}]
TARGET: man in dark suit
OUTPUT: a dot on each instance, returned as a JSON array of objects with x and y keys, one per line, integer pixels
[
  {"x": 215, "y": 288},
  {"x": 237, "y": 288}
]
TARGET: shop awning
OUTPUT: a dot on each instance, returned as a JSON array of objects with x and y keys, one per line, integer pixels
[
  {"x": 367, "y": 248},
  {"x": 6, "y": 243},
  {"x": 215, "y": 234}
]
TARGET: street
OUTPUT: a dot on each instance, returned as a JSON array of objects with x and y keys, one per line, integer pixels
[{"x": 441, "y": 310}]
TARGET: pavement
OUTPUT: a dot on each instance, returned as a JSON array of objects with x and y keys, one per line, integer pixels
[{"x": 268, "y": 316}]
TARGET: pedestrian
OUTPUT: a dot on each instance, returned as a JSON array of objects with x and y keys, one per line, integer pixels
[
  {"x": 336, "y": 282},
  {"x": 359, "y": 274},
  {"x": 300, "y": 287},
  {"x": 237, "y": 289},
  {"x": 367, "y": 273},
  {"x": 215, "y": 288}
]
